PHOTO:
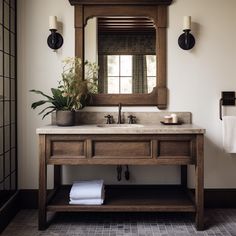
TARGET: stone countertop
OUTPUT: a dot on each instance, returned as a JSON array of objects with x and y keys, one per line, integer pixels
[{"x": 105, "y": 129}]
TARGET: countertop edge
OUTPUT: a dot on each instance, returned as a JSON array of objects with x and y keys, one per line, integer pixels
[{"x": 147, "y": 129}]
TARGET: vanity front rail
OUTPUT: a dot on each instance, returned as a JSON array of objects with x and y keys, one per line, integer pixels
[
  {"x": 120, "y": 149},
  {"x": 123, "y": 149}
]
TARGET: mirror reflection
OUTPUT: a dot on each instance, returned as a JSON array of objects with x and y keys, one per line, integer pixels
[{"x": 125, "y": 50}]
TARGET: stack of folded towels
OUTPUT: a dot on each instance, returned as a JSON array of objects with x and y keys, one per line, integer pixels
[{"x": 87, "y": 192}]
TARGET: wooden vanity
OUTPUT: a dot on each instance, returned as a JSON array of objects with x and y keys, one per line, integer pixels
[{"x": 151, "y": 145}]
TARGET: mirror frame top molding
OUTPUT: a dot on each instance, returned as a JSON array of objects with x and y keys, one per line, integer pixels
[
  {"x": 155, "y": 10},
  {"x": 121, "y": 2}
]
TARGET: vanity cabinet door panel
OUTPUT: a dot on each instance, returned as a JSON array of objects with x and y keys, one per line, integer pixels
[
  {"x": 124, "y": 149},
  {"x": 65, "y": 147},
  {"x": 176, "y": 147}
]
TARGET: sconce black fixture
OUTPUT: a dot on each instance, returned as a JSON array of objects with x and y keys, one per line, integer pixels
[
  {"x": 55, "y": 40},
  {"x": 186, "y": 40}
]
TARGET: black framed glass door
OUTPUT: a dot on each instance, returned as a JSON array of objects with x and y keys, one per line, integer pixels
[{"x": 8, "y": 157}]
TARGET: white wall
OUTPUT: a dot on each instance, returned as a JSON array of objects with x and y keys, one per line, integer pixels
[{"x": 195, "y": 81}]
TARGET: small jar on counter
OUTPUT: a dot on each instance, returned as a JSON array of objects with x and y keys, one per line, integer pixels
[
  {"x": 174, "y": 118},
  {"x": 168, "y": 119}
]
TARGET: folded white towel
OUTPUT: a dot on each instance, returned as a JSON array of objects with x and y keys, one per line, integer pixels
[
  {"x": 86, "y": 202},
  {"x": 102, "y": 197},
  {"x": 229, "y": 134},
  {"x": 87, "y": 190}
]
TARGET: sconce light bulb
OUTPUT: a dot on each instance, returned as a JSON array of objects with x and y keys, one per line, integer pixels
[
  {"x": 52, "y": 23},
  {"x": 187, "y": 23}
]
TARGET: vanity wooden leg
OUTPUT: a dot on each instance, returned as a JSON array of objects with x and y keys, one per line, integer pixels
[
  {"x": 199, "y": 185},
  {"x": 42, "y": 214},
  {"x": 184, "y": 169}
]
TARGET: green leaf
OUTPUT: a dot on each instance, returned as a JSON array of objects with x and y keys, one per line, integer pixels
[
  {"x": 59, "y": 100},
  {"x": 49, "y": 113},
  {"x": 39, "y": 103},
  {"x": 41, "y": 93},
  {"x": 41, "y": 112}
]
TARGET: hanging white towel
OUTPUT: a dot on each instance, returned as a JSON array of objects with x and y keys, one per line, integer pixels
[
  {"x": 86, "y": 202},
  {"x": 87, "y": 190},
  {"x": 229, "y": 134}
]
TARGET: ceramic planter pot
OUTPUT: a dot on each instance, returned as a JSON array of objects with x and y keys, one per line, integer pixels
[{"x": 65, "y": 118}]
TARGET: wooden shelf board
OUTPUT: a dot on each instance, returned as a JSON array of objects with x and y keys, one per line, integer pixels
[
  {"x": 130, "y": 199},
  {"x": 54, "y": 160}
]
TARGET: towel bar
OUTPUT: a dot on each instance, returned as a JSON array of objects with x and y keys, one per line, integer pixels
[{"x": 227, "y": 99}]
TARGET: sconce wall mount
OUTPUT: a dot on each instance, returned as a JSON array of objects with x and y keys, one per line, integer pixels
[
  {"x": 55, "y": 40},
  {"x": 186, "y": 40}
]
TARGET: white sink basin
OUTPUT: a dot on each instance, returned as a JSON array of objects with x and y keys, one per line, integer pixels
[{"x": 120, "y": 126}]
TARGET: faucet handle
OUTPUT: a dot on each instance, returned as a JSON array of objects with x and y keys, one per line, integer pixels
[
  {"x": 109, "y": 119},
  {"x": 131, "y": 119}
]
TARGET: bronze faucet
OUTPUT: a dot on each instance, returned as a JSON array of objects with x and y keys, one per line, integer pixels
[{"x": 119, "y": 113}]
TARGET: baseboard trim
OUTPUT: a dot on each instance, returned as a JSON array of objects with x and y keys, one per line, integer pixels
[
  {"x": 9, "y": 210},
  {"x": 28, "y": 198},
  {"x": 220, "y": 198},
  {"x": 213, "y": 198}
]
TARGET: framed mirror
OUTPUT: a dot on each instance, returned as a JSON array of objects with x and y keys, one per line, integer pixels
[
  {"x": 125, "y": 50},
  {"x": 128, "y": 41}
]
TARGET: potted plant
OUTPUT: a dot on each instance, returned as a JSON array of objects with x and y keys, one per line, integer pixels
[{"x": 72, "y": 93}]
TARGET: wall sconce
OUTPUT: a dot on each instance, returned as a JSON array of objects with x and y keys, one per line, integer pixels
[
  {"x": 186, "y": 40},
  {"x": 55, "y": 40}
]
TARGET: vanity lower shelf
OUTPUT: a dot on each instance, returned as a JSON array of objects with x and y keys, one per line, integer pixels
[{"x": 129, "y": 199}]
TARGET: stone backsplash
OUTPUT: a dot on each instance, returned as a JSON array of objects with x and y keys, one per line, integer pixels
[{"x": 141, "y": 117}]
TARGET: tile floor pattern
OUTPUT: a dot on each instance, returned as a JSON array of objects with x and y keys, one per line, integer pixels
[{"x": 219, "y": 222}]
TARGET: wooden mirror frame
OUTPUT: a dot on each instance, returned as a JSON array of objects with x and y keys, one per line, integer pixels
[{"x": 155, "y": 10}]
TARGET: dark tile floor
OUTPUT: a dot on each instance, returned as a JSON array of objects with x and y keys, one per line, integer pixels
[{"x": 219, "y": 222}]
